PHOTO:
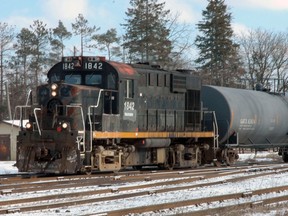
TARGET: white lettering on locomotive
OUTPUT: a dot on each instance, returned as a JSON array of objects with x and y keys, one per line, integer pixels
[
  {"x": 129, "y": 105},
  {"x": 93, "y": 65},
  {"x": 129, "y": 111},
  {"x": 68, "y": 66}
]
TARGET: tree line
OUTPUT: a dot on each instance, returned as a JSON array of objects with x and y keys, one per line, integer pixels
[{"x": 152, "y": 34}]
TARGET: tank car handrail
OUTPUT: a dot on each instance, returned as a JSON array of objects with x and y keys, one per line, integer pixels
[
  {"x": 215, "y": 129},
  {"x": 89, "y": 118}
]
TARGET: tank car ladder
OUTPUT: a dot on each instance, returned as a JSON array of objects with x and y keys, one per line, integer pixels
[{"x": 216, "y": 134}]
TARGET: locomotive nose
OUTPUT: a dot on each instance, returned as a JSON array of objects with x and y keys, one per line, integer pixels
[{"x": 54, "y": 106}]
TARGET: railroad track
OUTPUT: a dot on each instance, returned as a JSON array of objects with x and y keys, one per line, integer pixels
[
  {"x": 86, "y": 191},
  {"x": 20, "y": 185}
]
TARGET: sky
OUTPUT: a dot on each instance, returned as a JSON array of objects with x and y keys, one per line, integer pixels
[{"x": 270, "y": 15}]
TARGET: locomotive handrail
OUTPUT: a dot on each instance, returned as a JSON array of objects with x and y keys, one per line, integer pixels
[
  {"x": 89, "y": 117},
  {"x": 83, "y": 123},
  {"x": 21, "y": 117},
  {"x": 36, "y": 119},
  {"x": 29, "y": 93}
]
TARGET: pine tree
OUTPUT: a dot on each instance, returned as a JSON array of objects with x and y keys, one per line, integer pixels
[
  {"x": 40, "y": 42},
  {"x": 59, "y": 34},
  {"x": 81, "y": 27},
  {"x": 146, "y": 35},
  {"x": 218, "y": 58},
  {"x": 24, "y": 51},
  {"x": 106, "y": 41}
]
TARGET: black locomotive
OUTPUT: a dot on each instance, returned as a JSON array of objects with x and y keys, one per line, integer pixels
[{"x": 102, "y": 115}]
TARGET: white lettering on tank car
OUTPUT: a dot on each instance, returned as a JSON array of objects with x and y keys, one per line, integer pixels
[{"x": 247, "y": 123}]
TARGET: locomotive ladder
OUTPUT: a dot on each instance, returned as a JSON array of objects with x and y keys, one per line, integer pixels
[
  {"x": 90, "y": 121},
  {"x": 81, "y": 133}
]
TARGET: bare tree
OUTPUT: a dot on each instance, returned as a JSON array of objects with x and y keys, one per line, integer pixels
[
  {"x": 6, "y": 39},
  {"x": 180, "y": 37},
  {"x": 280, "y": 58},
  {"x": 265, "y": 56}
]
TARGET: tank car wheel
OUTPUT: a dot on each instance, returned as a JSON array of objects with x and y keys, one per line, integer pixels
[{"x": 228, "y": 156}]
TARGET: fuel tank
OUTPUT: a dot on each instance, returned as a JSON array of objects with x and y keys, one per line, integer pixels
[{"x": 257, "y": 117}]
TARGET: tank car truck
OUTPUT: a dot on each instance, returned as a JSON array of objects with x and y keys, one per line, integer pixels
[{"x": 98, "y": 115}]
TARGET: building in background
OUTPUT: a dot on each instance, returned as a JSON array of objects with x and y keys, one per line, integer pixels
[{"x": 8, "y": 139}]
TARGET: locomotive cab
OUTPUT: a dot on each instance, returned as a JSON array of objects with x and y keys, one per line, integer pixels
[{"x": 81, "y": 97}]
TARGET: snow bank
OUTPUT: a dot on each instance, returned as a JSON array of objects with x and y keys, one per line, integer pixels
[{"x": 6, "y": 167}]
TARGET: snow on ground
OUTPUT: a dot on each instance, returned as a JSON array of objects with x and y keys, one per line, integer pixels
[
  {"x": 6, "y": 167},
  {"x": 193, "y": 193},
  {"x": 260, "y": 156}
]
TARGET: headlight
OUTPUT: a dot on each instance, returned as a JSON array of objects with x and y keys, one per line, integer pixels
[
  {"x": 54, "y": 86},
  {"x": 64, "y": 125},
  {"x": 28, "y": 125},
  {"x": 53, "y": 93}
]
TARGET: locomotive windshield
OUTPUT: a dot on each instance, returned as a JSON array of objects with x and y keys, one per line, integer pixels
[
  {"x": 93, "y": 79},
  {"x": 88, "y": 71},
  {"x": 73, "y": 79}
]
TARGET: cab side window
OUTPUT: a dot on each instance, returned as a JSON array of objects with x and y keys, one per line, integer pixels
[{"x": 129, "y": 88}]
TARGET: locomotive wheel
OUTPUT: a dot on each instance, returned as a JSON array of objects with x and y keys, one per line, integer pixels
[
  {"x": 88, "y": 171},
  {"x": 138, "y": 167},
  {"x": 170, "y": 161},
  {"x": 285, "y": 157},
  {"x": 199, "y": 158}
]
